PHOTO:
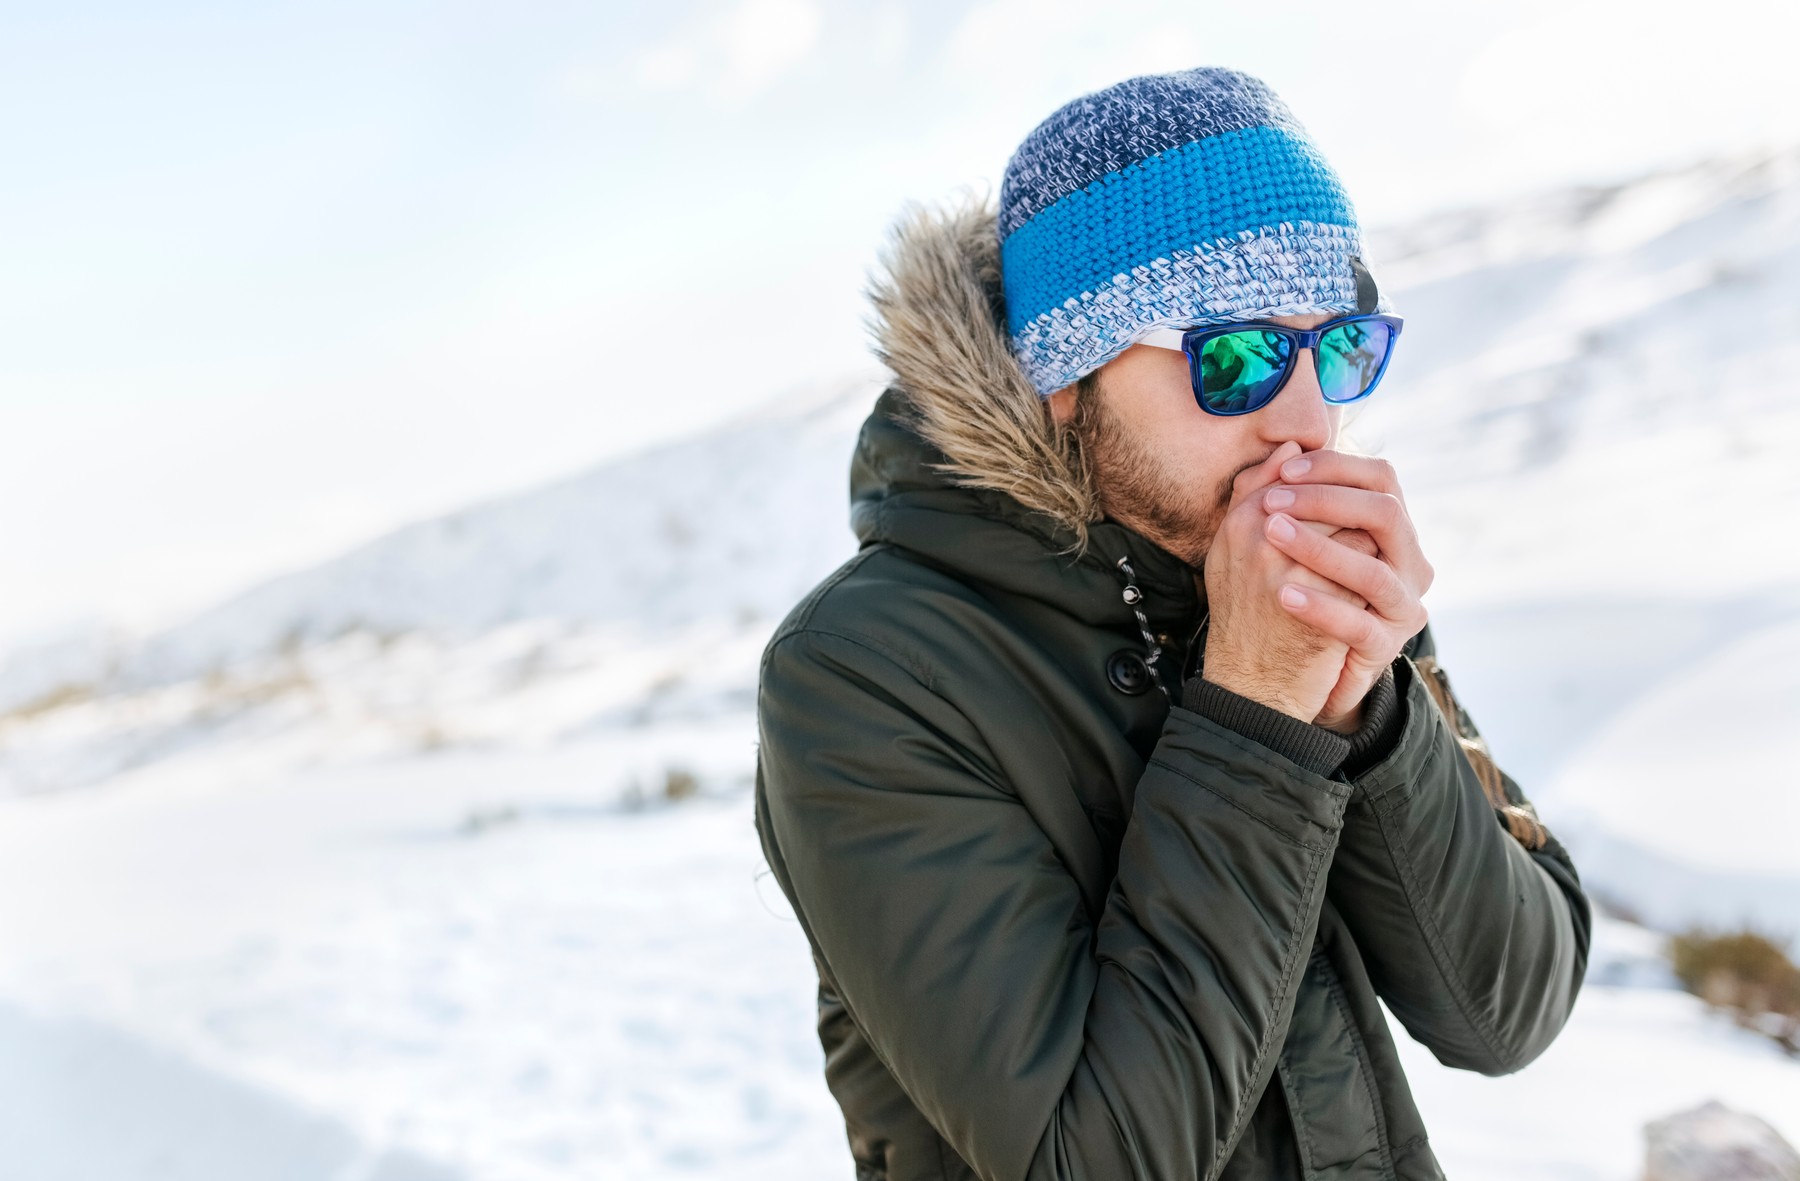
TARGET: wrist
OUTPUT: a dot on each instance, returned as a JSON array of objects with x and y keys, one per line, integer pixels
[
  {"x": 1311, "y": 747},
  {"x": 1261, "y": 694},
  {"x": 1384, "y": 716}
]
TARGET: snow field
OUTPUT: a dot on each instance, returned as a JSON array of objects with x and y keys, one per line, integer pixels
[
  {"x": 569, "y": 986},
  {"x": 566, "y": 987},
  {"x": 365, "y": 874}
]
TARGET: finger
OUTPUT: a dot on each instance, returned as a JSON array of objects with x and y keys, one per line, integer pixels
[
  {"x": 1303, "y": 577},
  {"x": 1261, "y": 475},
  {"x": 1327, "y": 466},
  {"x": 1380, "y": 515},
  {"x": 1358, "y": 628},
  {"x": 1299, "y": 573},
  {"x": 1369, "y": 577},
  {"x": 1355, "y": 539}
]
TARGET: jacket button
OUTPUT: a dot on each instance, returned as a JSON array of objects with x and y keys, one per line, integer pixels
[{"x": 1128, "y": 672}]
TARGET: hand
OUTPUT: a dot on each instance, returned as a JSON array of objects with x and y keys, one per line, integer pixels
[
  {"x": 1360, "y": 493},
  {"x": 1254, "y": 646}
]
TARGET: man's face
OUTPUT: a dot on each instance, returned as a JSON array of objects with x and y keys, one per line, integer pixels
[{"x": 1162, "y": 465}]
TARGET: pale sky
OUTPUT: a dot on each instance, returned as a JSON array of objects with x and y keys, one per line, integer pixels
[{"x": 277, "y": 278}]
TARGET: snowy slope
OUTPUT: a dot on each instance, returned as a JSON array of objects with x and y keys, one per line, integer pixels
[
  {"x": 1596, "y": 390},
  {"x": 732, "y": 525},
  {"x": 728, "y": 527},
  {"x": 1626, "y": 350},
  {"x": 473, "y": 967},
  {"x": 643, "y": 587},
  {"x": 1591, "y": 411},
  {"x": 374, "y": 877}
]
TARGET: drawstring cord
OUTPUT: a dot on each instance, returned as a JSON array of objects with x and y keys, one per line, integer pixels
[{"x": 1133, "y": 598}]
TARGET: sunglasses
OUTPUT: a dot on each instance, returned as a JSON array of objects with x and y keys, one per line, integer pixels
[{"x": 1239, "y": 368}]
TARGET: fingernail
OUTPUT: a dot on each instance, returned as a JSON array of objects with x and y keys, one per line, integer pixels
[
  {"x": 1291, "y": 596},
  {"x": 1280, "y": 528},
  {"x": 1293, "y": 469},
  {"x": 1278, "y": 497}
]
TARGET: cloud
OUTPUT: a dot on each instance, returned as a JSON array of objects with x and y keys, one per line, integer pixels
[{"x": 734, "y": 53}]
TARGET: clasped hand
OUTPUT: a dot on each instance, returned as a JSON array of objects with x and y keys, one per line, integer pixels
[{"x": 1314, "y": 583}]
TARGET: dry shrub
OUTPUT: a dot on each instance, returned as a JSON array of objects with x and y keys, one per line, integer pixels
[
  {"x": 1746, "y": 974},
  {"x": 680, "y": 784},
  {"x": 60, "y": 697}
]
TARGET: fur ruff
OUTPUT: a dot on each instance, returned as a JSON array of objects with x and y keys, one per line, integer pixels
[{"x": 939, "y": 325}]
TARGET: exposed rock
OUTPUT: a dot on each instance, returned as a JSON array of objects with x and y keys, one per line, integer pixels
[{"x": 1714, "y": 1143}]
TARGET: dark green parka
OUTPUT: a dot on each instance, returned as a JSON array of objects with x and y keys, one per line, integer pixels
[{"x": 1064, "y": 927}]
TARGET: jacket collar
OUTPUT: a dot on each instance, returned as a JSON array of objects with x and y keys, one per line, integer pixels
[{"x": 960, "y": 463}]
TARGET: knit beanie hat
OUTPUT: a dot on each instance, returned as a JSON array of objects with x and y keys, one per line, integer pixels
[{"x": 1170, "y": 200}]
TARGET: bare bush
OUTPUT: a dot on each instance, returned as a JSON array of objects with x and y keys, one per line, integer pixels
[
  {"x": 1746, "y": 974},
  {"x": 679, "y": 784}
]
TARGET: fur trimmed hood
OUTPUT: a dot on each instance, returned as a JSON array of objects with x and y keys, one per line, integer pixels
[{"x": 939, "y": 324}]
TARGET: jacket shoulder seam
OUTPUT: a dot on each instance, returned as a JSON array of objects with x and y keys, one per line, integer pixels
[
  {"x": 798, "y": 621},
  {"x": 904, "y": 661}
]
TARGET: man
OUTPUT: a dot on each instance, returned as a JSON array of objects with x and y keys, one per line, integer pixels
[{"x": 1113, "y": 780}]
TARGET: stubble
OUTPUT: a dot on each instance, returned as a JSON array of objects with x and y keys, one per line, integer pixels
[{"x": 1144, "y": 490}]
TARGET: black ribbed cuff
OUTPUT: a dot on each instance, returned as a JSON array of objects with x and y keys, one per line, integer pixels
[
  {"x": 1314, "y": 747},
  {"x": 1382, "y": 721}
]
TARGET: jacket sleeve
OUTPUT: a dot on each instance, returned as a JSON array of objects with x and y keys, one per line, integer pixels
[
  {"x": 1042, "y": 1041},
  {"x": 1469, "y": 915}
]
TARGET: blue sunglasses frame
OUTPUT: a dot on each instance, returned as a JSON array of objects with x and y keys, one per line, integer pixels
[{"x": 1191, "y": 341}]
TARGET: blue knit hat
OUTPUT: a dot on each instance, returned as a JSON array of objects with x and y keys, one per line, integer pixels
[{"x": 1170, "y": 200}]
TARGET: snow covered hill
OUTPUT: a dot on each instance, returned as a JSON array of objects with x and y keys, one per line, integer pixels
[
  {"x": 1592, "y": 409},
  {"x": 471, "y": 967},
  {"x": 643, "y": 588},
  {"x": 422, "y": 860},
  {"x": 732, "y": 525}
]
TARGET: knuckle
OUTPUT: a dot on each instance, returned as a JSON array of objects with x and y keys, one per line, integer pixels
[
  {"x": 1370, "y": 632},
  {"x": 1393, "y": 591},
  {"x": 1392, "y": 511}
]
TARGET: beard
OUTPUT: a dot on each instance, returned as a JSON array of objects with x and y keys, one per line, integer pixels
[{"x": 1147, "y": 491}]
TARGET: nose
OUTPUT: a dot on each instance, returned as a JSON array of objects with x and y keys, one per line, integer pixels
[{"x": 1300, "y": 411}]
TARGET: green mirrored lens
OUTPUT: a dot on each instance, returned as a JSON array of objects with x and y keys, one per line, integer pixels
[
  {"x": 1350, "y": 357},
  {"x": 1240, "y": 371}
]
